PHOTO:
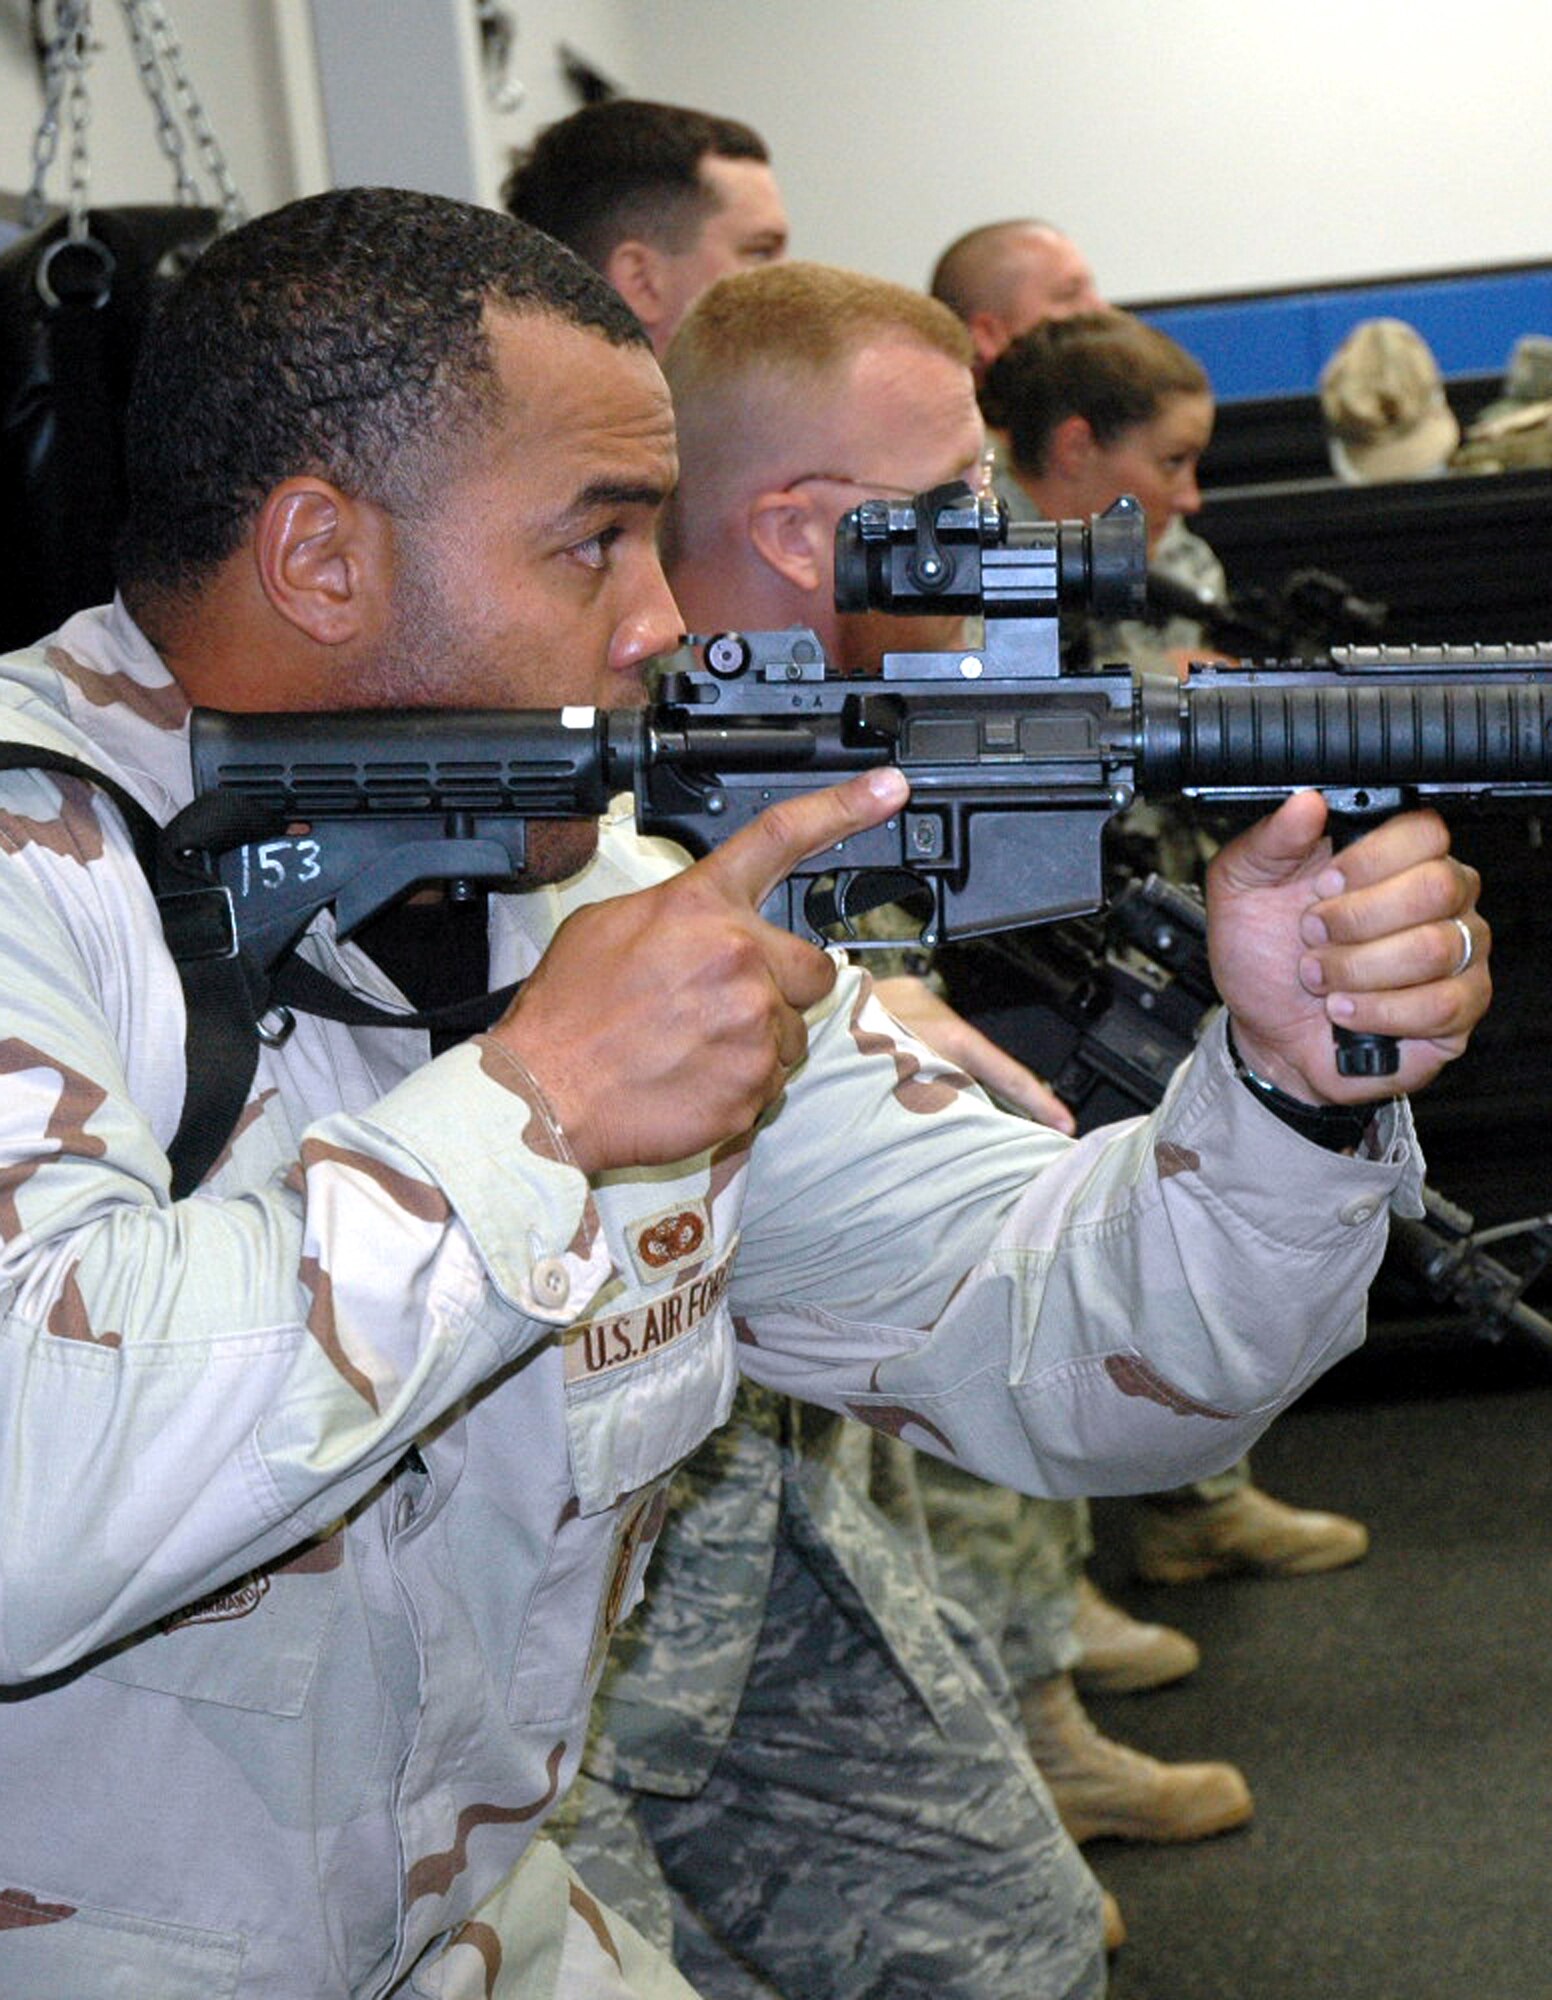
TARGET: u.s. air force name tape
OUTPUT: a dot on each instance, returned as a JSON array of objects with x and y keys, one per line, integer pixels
[{"x": 616, "y": 1340}]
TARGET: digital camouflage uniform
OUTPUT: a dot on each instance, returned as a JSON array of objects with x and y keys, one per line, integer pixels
[
  {"x": 1185, "y": 558},
  {"x": 1013, "y": 1561},
  {"x": 792, "y": 1689},
  {"x": 326, "y": 1487},
  {"x": 856, "y": 1726}
]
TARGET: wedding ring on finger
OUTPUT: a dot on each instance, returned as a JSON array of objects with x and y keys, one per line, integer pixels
[{"x": 1468, "y": 947}]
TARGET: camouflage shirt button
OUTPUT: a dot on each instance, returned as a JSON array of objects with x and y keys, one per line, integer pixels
[
  {"x": 551, "y": 1285},
  {"x": 1357, "y": 1213}
]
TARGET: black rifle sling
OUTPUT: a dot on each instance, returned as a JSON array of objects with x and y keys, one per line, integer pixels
[
  {"x": 306, "y": 990},
  {"x": 221, "y": 1043},
  {"x": 222, "y": 1006}
]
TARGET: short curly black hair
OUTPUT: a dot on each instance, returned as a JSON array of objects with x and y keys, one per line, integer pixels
[
  {"x": 624, "y": 167},
  {"x": 342, "y": 335}
]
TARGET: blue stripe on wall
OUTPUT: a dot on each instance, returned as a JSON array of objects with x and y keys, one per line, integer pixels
[{"x": 1278, "y": 346}]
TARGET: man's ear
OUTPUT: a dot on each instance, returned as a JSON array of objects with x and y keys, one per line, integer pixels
[
  {"x": 1071, "y": 448},
  {"x": 990, "y": 335},
  {"x": 793, "y": 537},
  {"x": 635, "y": 269},
  {"x": 323, "y": 559}
]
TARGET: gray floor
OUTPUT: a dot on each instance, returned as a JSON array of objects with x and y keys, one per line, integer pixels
[{"x": 1394, "y": 1720}]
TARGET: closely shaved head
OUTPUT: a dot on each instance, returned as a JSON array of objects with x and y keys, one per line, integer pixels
[
  {"x": 799, "y": 391},
  {"x": 759, "y": 374},
  {"x": 1006, "y": 277},
  {"x": 975, "y": 271}
]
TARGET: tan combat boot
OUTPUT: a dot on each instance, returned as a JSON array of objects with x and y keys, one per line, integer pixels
[
  {"x": 1246, "y": 1534},
  {"x": 1103, "y": 1790},
  {"x": 1122, "y": 1655}
]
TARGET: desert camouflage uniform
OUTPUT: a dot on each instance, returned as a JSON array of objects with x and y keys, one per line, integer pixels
[
  {"x": 326, "y": 1487},
  {"x": 1183, "y": 850}
]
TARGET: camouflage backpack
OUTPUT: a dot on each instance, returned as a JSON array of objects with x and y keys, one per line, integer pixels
[{"x": 1509, "y": 440}]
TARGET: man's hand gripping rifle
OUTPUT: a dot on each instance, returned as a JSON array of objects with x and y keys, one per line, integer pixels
[
  {"x": 1015, "y": 765},
  {"x": 1109, "y": 1007}
]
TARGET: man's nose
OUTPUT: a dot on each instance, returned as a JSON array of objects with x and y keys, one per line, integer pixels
[{"x": 652, "y": 626}]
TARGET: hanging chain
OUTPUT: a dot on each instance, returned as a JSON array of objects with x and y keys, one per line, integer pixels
[
  {"x": 45, "y": 141},
  {"x": 169, "y": 136},
  {"x": 233, "y": 208},
  {"x": 159, "y": 61},
  {"x": 159, "y": 58},
  {"x": 69, "y": 50}
]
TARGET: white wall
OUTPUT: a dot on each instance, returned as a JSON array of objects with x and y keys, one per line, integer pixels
[
  {"x": 1190, "y": 145},
  {"x": 408, "y": 99}
]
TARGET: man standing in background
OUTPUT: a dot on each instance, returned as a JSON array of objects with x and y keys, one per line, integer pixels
[
  {"x": 661, "y": 199},
  {"x": 1006, "y": 277}
]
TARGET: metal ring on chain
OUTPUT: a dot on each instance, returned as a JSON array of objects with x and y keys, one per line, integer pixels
[
  {"x": 83, "y": 279},
  {"x": 1468, "y": 947}
]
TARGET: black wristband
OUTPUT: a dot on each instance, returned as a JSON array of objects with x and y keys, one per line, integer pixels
[{"x": 1334, "y": 1126}]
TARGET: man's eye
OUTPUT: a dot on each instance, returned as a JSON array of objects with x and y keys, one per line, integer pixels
[{"x": 593, "y": 553}]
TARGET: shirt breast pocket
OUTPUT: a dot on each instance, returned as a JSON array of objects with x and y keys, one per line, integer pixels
[
  {"x": 645, "y": 1386},
  {"x": 643, "y": 1389},
  {"x": 254, "y": 1645}
]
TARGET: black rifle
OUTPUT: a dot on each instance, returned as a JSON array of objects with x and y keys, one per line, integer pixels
[
  {"x": 1016, "y": 766},
  {"x": 1108, "y": 1007},
  {"x": 1310, "y": 613}
]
